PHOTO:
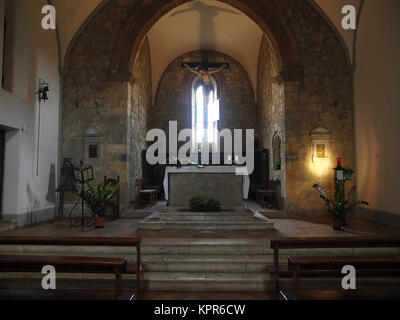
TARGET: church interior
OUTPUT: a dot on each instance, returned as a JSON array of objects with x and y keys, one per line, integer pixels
[{"x": 94, "y": 90}]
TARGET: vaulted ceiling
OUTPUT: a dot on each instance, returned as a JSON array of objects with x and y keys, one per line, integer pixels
[
  {"x": 199, "y": 25},
  {"x": 205, "y": 25}
]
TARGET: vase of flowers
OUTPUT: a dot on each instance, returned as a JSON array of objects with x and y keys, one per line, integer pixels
[
  {"x": 339, "y": 207},
  {"x": 98, "y": 199}
]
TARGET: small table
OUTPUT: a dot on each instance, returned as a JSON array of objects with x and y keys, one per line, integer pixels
[{"x": 266, "y": 197}]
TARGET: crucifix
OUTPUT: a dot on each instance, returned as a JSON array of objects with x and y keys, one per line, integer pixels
[{"x": 205, "y": 70}]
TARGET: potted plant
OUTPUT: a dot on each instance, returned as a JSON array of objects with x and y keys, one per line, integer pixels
[
  {"x": 338, "y": 209},
  {"x": 204, "y": 204},
  {"x": 98, "y": 200}
]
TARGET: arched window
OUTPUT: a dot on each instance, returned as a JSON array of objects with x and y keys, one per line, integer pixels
[
  {"x": 205, "y": 112},
  {"x": 276, "y": 149}
]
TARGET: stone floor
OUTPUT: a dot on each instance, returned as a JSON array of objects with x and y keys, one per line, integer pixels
[
  {"x": 283, "y": 228},
  {"x": 129, "y": 223}
]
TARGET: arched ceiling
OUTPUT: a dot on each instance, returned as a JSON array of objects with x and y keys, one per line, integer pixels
[
  {"x": 205, "y": 25},
  {"x": 184, "y": 29}
]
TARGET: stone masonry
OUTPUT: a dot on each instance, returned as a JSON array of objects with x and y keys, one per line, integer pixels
[{"x": 305, "y": 82}]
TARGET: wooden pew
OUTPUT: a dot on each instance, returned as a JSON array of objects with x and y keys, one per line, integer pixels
[
  {"x": 118, "y": 266},
  {"x": 323, "y": 242},
  {"x": 62, "y": 264},
  {"x": 364, "y": 265}
]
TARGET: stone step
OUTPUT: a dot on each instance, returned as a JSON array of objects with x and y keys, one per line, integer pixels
[
  {"x": 208, "y": 217},
  {"x": 206, "y": 264},
  {"x": 157, "y": 246},
  {"x": 189, "y": 247},
  {"x": 152, "y": 281},
  {"x": 7, "y": 225},
  {"x": 218, "y": 265},
  {"x": 207, "y": 282},
  {"x": 189, "y": 282},
  {"x": 157, "y": 224}
]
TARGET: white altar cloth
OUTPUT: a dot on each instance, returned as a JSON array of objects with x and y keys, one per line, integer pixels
[{"x": 206, "y": 169}]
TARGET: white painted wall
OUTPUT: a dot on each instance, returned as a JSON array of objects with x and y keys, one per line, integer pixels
[
  {"x": 377, "y": 98},
  {"x": 35, "y": 56}
]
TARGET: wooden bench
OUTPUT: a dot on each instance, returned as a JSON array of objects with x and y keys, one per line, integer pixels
[
  {"x": 277, "y": 271},
  {"x": 388, "y": 294},
  {"x": 364, "y": 265},
  {"x": 62, "y": 264},
  {"x": 117, "y": 266}
]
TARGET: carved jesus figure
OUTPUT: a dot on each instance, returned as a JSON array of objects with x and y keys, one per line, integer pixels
[{"x": 205, "y": 73}]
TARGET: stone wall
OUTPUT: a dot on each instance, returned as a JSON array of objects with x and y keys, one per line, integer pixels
[
  {"x": 139, "y": 102},
  {"x": 323, "y": 98},
  {"x": 91, "y": 100},
  {"x": 270, "y": 107},
  {"x": 173, "y": 101},
  {"x": 98, "y": 93}
]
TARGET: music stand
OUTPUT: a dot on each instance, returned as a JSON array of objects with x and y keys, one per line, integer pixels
[{"x": 83, "y": 174}]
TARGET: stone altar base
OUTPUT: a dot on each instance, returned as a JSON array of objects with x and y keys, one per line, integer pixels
[{"x": 178, "y": 219}]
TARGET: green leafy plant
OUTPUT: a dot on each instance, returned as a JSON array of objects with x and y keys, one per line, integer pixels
[
  {"x": 98, "y": 199},
  {"x": 204, "y": 203},
  {"x": 348, "y": 173},
  {"x": 342, "y": 204}
]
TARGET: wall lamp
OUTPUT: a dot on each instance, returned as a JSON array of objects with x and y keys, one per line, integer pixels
[{"x": 43, "y": 89}]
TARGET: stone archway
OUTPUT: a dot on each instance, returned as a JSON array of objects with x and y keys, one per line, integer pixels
[
  {"x": 312, "y": 78},
  {"x": 263, "y": 13}
]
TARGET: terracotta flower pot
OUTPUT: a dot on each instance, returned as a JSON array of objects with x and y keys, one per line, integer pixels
[{"x": 99, "y": 222}]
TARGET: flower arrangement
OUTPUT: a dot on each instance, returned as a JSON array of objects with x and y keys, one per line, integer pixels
[
  {"x": 342, "y": 204},
  {"x": 203, "y": 203},
  {"x": 98, "y": 199}
]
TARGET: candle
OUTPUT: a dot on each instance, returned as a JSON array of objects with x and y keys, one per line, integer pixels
[{"x": 339, "y": 162}]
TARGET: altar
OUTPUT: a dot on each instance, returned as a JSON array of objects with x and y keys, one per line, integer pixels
[{"x": 218, "y": 182}]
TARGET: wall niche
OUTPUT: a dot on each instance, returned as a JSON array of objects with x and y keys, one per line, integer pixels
[
  {"x": 93, "y": 141},
  {"x": 276, "y": 152}
]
